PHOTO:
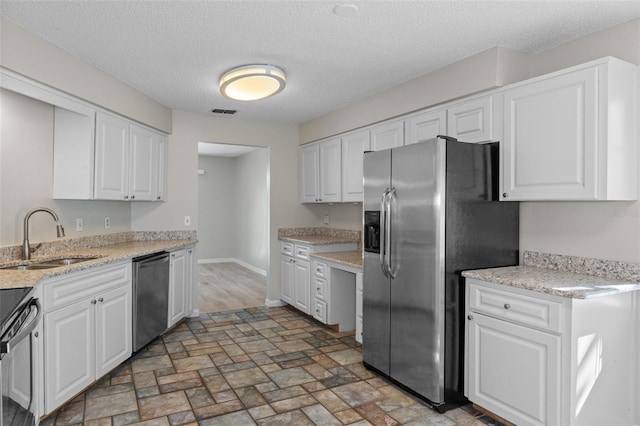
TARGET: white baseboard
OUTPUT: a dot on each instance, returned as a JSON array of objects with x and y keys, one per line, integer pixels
[
  {"x": 273, "y": 303},
  {"x": 234, "y": 260}
]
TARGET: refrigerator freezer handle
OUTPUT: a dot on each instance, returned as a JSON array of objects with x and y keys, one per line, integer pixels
[
  {"x": 391, "y": 196},
  {"x": 383, "y": 232}
]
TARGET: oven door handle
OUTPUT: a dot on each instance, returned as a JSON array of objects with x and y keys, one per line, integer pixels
[{"x": 25, "y": 330}]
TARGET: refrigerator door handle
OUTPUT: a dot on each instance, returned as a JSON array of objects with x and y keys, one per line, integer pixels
[
  {"x": 391, "y": 196},
  {"x": 383, "y": 233}
]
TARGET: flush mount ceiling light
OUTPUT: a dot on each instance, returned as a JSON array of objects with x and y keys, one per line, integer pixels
[{"x": 252, "y": 82}]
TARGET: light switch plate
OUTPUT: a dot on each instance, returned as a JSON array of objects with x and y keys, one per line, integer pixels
[{"x": 79, "y": 225}]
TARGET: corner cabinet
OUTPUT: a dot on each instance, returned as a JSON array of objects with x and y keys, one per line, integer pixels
[
  {"x": 539, "y": 359},
  {"x": 571, "y": 135},
  {"x": 87, "y": 326}
]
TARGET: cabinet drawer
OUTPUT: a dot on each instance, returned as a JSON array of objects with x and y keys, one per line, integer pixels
[
  {"x": 517, "y": 308},
  {"x": 67, "y": 289},
  {"x": 286, "y": 249},
  {"x": 321, "y": 290},
  {"x": 320, "y": 269},
  {"x": 320, "y": 310},
  {"x": 302, "y": 252}
]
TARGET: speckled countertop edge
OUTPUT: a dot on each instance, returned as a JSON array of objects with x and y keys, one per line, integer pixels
[
  {"x": 319, "y": 236},
  {"x": 348, "y": 258},
  {"x": 566, "y": 276},
  {"x": 106, "y": 254}
]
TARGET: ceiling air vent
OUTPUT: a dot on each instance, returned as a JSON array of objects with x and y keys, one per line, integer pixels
[{"x": 224, "y": 111}]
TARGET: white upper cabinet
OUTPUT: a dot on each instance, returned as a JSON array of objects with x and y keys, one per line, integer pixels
[
  {"x": 425, "y": 125},
  {"x": 330, "y": 171},
  {"x": 354, "y": 146},
  {"x": 471, "y": 121},
  {"x": 571, "y": 135},
  {"x": 387, "y": 135},
  {"x": 112, "y": 158},
  {"x": 143, "y": 173},
  {"x": 320, "y": 172},
  {"x": 102, "y": 156}
]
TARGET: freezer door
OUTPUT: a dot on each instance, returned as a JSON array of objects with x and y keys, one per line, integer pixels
[
  {"x": 375, "y": 314},
  {"x": 417, "y": 259}
]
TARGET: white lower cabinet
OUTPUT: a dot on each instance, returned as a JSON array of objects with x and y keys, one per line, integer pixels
[
  {"x": 87, "y": 329},
  {"x": 180, "y": 284},
  {"x": 539, "y": 359},
  {"x": 359, "y": 299},
  {"x": 333, "y": 294},
  {"x": 297, "y": 279}
]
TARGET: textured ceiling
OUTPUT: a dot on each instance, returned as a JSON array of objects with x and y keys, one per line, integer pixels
[{"x": 175, "y": 51}]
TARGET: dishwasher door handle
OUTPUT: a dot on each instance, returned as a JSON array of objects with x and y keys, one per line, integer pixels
[{"x": 12, "y": 337}]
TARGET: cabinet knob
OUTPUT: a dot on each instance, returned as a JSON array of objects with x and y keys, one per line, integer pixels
[
  {"x": 469, "y": 317},
  {"x": 126, "y": 197},
  {"x": 35, "y": 334},
  {"x": 101, "y": 300},
  {"x": 158, "y": 197},
  {"x": 318, "y": 270},
  {"x": 318, "y": 288},
  {"x": 133, "y": 197},
  {"x": 505, "y": 195},
  {"x": 93, "y": 302},
  {"x": 507, "y": 306}
]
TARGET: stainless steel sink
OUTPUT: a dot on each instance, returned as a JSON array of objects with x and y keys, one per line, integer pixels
[
  {"x": 51, "y": 263},
  {"x": 64, "y": 261},
  {"x": 28, "y": 267}
]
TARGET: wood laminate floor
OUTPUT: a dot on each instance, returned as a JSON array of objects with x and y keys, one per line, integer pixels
[{"x": 228, "y": 286}]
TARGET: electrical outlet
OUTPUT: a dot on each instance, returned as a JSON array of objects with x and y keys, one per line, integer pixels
[
  {"x": 107, "y": 222},
  {"x": 326, "y": 219},
  {"x": 79, "y": 226},
  {"x": 187, "y": 221}
]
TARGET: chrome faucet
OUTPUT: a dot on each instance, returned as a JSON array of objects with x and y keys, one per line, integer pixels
[{"x": 26, "y": 249}]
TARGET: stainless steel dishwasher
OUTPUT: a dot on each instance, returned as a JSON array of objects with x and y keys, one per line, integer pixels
[{"x": 150, "y": 298}]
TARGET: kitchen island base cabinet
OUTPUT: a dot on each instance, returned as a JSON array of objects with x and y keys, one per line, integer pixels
[
  {"x": 538, "y": 359},
  {"x": 87, "y": 329}
]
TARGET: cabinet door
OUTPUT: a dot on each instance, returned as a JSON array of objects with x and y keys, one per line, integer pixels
[
  {"x": 113, "y": 329},
  {"x": 388, "y": 135},
  {"x": 330, "y": 171},
  {"x": 471, "y": 121},
  {"x": 514, "y": 371},
  {"x": 309, "y": 174},
  {"x": 354, "y": 146},
  {"x": 286, "y": 290},
  {"x": 425, "y": 126},
  {"x": 190, "y": 294},
  {"x": 112, "y": 158},
  {"x": 302, "y": 280},
  {"x": 161, "y": 193},
  {"x": 177, "y": 287},
  {"x": 359, "y": 299},
  {"x": 69, "y": 352},
  {"x": 143, "y": 160},
  {"x": 550, "y": 139}
]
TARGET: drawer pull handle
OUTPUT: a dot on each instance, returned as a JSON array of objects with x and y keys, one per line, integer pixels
[{"x": 507, "y": 306}]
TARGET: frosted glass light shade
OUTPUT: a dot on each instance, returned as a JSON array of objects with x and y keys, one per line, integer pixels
[{"x": 252, "y": 82}]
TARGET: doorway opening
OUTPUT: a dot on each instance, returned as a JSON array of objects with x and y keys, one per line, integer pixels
[{"x": 233, "y": 226}]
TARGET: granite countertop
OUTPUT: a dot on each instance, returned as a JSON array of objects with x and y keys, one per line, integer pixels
[
  {"x": 564, "y": 276},
  {"x": 106, "y": 254},
  {"x": 318, "y": 236},
  {"x": 349, "y": 258}
]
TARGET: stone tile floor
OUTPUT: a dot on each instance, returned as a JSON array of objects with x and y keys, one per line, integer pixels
[{"x": 265, "y": 366}]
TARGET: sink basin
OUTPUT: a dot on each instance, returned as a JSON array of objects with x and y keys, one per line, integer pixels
[
  {"x": 63, "y": 261},
  {"x": 29, "y": 267}
]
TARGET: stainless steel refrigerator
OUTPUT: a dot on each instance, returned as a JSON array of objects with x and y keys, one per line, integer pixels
[{"x": 430, "y": 211}]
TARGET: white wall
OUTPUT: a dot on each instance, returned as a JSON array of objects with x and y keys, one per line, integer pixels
[
  {"x": 216, "y": 207},
  {"x": 252, "y": 208},
  {"x": 233, "y": 208},
  {"x": 26, "y": 170}
]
